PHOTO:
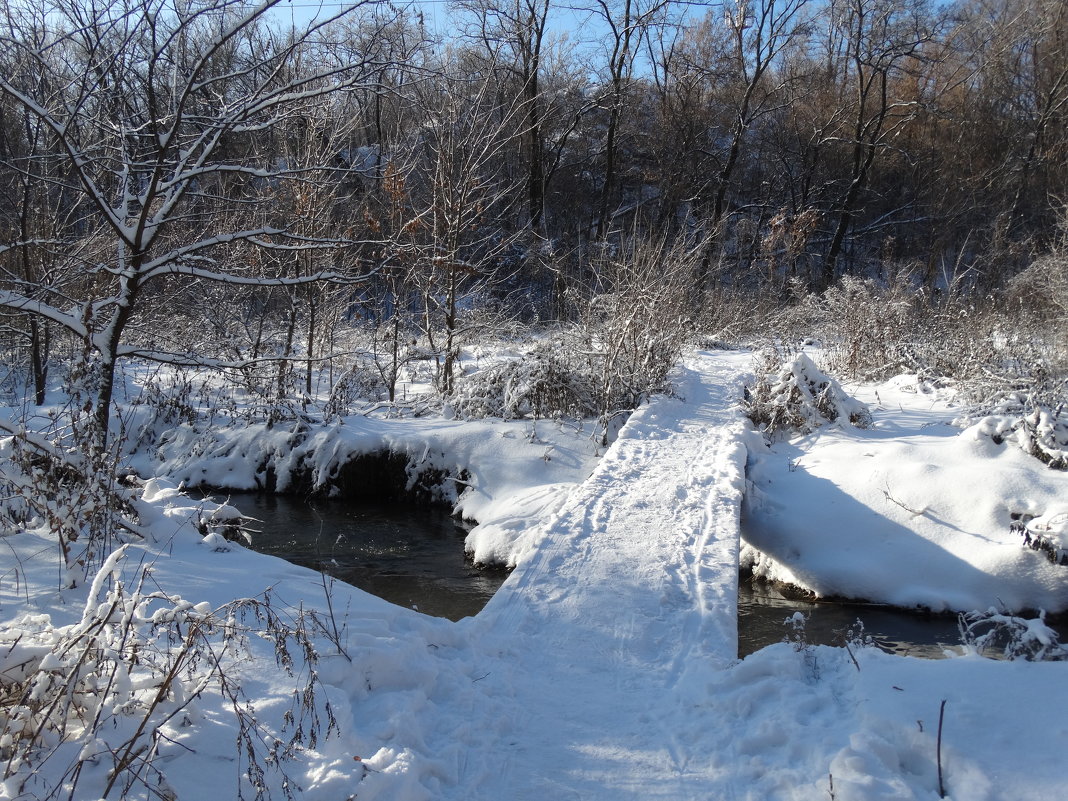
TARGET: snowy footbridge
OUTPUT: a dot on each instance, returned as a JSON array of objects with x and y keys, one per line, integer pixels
[{"x": 611, "y": 627}]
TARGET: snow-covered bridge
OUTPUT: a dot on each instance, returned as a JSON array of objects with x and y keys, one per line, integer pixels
[{"x": 631, "y": 597}]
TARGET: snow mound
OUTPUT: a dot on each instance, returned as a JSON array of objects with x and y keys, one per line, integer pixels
[{"x": 802, "y": 398}]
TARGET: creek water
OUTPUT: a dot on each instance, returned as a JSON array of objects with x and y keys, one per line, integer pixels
[
  {"x": 410, "y": 555},
  {"x": 763, "y": 610},
  {"x": 413, "y": 556}
]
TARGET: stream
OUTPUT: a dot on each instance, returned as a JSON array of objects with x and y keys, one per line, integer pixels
[
  {"x": 763, "y": 609},
  {"x": 410, "y": 555},
  {"x": 413, "y": 556}
]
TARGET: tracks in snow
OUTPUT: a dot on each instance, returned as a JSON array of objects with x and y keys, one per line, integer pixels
[{"x": 630, "y": 600}]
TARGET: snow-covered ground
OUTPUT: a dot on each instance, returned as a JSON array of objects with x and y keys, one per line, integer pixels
[
  {"x": 603, "y": 668},
  {"x": 912, "y": 511}
]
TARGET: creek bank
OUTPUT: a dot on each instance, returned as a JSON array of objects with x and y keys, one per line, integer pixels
[
  {"x": 378, "y": 476},
  {"x": 324, "y": 461},
  {"x": 508, "y": 475}
]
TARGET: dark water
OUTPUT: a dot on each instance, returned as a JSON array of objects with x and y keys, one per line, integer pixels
[
  {"x": 762, "y": 610},
  {"x": 412, "y": 556}
]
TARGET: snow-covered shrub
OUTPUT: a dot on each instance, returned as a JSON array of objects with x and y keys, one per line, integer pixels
[
  {"x": 1047, "y": 533},
  {"x": 873, "y": 330},
  {"x": 635, "y": 324},
  {"x": 360, "y": 384},
  {"x": 867, "y": 326},
  {"x": 1042, "y": 289},
  {"x": 1014, "y": 637},
  {"x": 799, "y": 397},
  {"x": 796, "y": 632},
  {"x": 66, "y": 483},
  {"x": 797, "y": 637},
  {"x": 222, "y": 523},
  {"x": 1039, "y": 431},
  {"x": 542, "y": 383},
  {"x": 631, "y": 347},
  {"x": 101, "y": 707},
  {"x": 856, "y": 638},
  {"x": 164, "y": 402},
  {"x": 1018, "y": 393}
]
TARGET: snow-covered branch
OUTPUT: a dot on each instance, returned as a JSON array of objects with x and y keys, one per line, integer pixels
[{"x": 17, "y": 302}]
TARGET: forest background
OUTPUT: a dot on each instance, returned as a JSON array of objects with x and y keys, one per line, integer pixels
[
  {"x": 215, "y": 183},
  {"x": 229, "y": 228}
]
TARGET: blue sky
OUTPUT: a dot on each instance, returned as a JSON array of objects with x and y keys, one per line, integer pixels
[{"x": 302, "y": 11}]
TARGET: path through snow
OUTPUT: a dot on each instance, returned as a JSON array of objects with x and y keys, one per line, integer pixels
[{"x": 630, "y": 599}]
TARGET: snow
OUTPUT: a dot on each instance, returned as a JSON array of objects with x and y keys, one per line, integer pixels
[
  {"x": 911, "y": 511},
  {"x": 604, "y": 667}
]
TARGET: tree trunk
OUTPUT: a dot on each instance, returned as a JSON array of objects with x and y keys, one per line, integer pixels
[{"x": 40, "y": 344}]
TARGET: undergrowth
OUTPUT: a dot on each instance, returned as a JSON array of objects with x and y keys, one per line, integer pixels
[
  {"x": 1012, "y": 636},
  {"x": 1004, "y": 360},
  {"x": 107, "y": 702}
]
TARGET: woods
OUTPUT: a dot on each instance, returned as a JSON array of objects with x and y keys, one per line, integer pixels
[
  {"x": 211, "y": 183},
  {"x": 534, "y": 261}
]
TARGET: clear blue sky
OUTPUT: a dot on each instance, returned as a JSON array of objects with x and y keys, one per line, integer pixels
[
  {"x": 303, "y": 11},
  {"x": 580, "y": 26}
]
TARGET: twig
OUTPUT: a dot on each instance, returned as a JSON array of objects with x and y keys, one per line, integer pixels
[
  {"x": 333, "y": 619},
  {"x": 849, "y": 651},
  {"x": 909, "y": 509},
  {"x": 941, "y": 715},
  {"x": 335, "y": 635}
]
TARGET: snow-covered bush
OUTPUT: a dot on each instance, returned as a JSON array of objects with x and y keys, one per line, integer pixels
[
  {"x": 1014, "y": 637},
  {"x": 868, "y": 327},
  {"x": 1042, "y": 289},
  {"x": 635, "y": 322},
  {"x": 1035, "y": 429},
  {"x": 631, "y": 343},
  {"x": 1047, "y": 532},
  {"x": 165, "y": 400},
  {"x": 359, "y": 384},
  {"x": 67, "y": 484},
  {"x": 873, "y": 330},
  {"x": 542, "y": 383},
  {"x": 1019, "y": 392},
  {"x": 796, "y": 631},
  {"x": 797, "y": 396},
  {"x": 100, "y": 707}
]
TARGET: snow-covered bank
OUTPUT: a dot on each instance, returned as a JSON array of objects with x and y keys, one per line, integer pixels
[
  {"x": 507, "y": 475},
  {"x": 911, "y": 511}
]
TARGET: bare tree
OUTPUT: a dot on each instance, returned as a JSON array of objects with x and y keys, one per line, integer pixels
[
  {"x": 626, "y": 23},
  {"x": 876, "y": 43},
  {"x": 1024, "y": 72},
  {"x": 156, "y": 110},
  {"x": 756, "y": 33},
  {"x": 462, "y": 197},
  {"x": 515, "y": 34}
]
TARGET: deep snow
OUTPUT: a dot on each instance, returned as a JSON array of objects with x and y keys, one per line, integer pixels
[{"x": 603, "y": 668}]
